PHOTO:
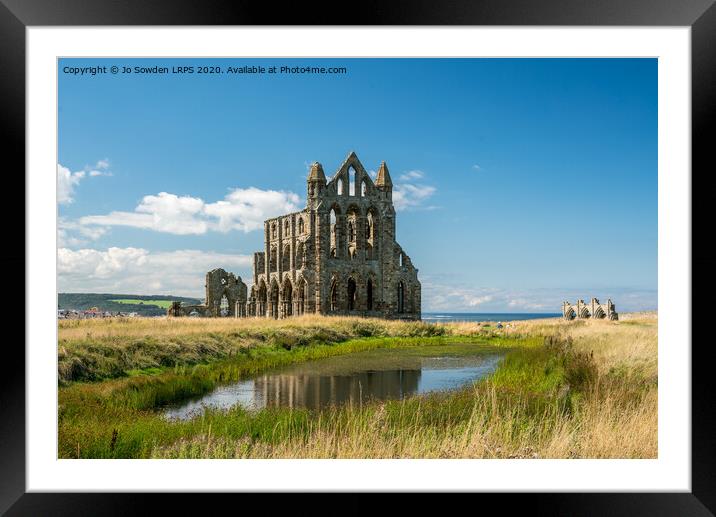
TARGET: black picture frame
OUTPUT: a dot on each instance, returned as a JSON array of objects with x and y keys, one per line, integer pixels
[{"x": 17, "y": 15}]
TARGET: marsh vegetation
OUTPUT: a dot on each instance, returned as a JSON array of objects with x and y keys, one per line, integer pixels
[{"x": 583, "y": 389}]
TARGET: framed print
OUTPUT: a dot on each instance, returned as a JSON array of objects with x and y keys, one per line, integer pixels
[{"x": 436, "y": 250}]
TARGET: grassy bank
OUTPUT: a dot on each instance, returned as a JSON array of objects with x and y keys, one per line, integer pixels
[
  {"x": 91, "y": 350},
  {"x": 563, "y": 390}
]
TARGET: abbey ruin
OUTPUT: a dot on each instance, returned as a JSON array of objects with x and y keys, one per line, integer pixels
[
  {"x": 594, "y": 309},
  {"x": 225, "y": 296},
  {"x": 336, "y": 256}
]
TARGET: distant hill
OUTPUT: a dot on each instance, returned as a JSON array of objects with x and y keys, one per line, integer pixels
[{"x": 154, "y": 305}]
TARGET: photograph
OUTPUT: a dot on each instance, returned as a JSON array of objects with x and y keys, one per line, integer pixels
[
  {"x": 425, "y": 250},
  {"x": 357, "y": 258}
]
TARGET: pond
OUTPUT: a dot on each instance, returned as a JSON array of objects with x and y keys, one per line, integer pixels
[{"x": 388, "y": 373}]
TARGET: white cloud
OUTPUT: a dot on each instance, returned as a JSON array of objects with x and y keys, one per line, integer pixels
[
  {"x": 241, "y": 209},
  {"x": 448, "y": 297},
  {"x": 138, "y": 271},
  {"x": 100, "y": 168},
  {"x": 164, "y": 213},
  {"x": 71, "y": 233},
  {"x": 442, "y": 293},
  {"x": 477, "y": 167},
  {"x": 530, "y": 305},
  {"x": 412, "y": 175},
  {"x": 68, "y": 180},
  {"x": 66, "y": 183},
  {"x": 247, "y": 209},
  {"x": 410, "y": 195}
]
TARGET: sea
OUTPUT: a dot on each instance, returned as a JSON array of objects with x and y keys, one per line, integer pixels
[{"x": 486, "y": 316}]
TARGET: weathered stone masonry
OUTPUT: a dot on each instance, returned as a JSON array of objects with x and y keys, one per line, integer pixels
[
  {"x": 593, "y": 309},
  {"x": 225, "y": 296},
  {"x": 339, "y": 254}
]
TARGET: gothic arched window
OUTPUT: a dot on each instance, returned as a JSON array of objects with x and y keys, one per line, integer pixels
[{"x": 351, "y": 181}]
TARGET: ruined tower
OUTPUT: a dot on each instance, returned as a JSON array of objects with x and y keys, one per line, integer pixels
[{"x": 338, "y": 255}]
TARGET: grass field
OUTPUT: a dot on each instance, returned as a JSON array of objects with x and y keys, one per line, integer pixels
[
  {"x": 564, "y": 390},
  {"x": 164, "y": 304}
]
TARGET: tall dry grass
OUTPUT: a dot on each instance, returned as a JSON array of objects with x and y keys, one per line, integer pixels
[
  {"x": 101, "y": 328},
  {"x": 614, "y": 416},
  {"x": 90, "y": 350}
]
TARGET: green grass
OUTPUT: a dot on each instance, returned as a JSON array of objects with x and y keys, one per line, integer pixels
[
  {"x": 164, "y": 304},
  {"x": 89, "y": 413}
]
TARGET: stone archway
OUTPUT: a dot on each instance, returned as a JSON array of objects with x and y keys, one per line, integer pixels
[
  {"x": 224, "y": 307},
  {"x": 262, "y": 299},
  {"x": 351, "y": 292},
  {"x": 300, "y": 296},
  {"x": 401, "y": 297},
  {"x": 273, "y": 300},
  {"x": 287, "y": 298}
]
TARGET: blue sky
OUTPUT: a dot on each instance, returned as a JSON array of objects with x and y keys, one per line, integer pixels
[{"x": 519, "y": 182}]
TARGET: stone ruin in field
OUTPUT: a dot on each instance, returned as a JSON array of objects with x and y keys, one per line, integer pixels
[
  {"x": 336, "y": 256},
  {"x": 225, "y": 295},
  {"x": 594, "y": 309}
]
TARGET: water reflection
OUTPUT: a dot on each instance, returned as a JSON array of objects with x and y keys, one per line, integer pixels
[
  {"x": 305, "y": 390},
  {"x": 350, "y": 380}
]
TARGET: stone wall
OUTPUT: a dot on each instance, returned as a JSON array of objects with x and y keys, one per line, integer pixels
[{"x": 226, "y": 295}]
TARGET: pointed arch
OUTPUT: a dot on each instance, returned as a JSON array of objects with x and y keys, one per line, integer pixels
[
  {"x": 351, "y": 292},
  {"x": 301, "y": 295},
  {"x": 224, "y": 306},
  {"x": 286, "y": 258},
  {"x": 300, "y": 260},
  {"x": 369, "y": 294},
  {"x": 287, "y": 297},
  {"x": 352, "y": 180},
  {"x": 401, "y": 297},
  {"x": 262, "y": 299},
  {"x": 371, "y": 233},
  {"x": 273, "y": 259},
  {"x": 273, "y": 299},
  {"x": 353, "y": 214},
  {"x": 333, "y": 221}
]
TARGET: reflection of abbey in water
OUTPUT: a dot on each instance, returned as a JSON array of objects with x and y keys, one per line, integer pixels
[
  {"x": 315, "y": 392},
  {"x": 336, "y": 256}
]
